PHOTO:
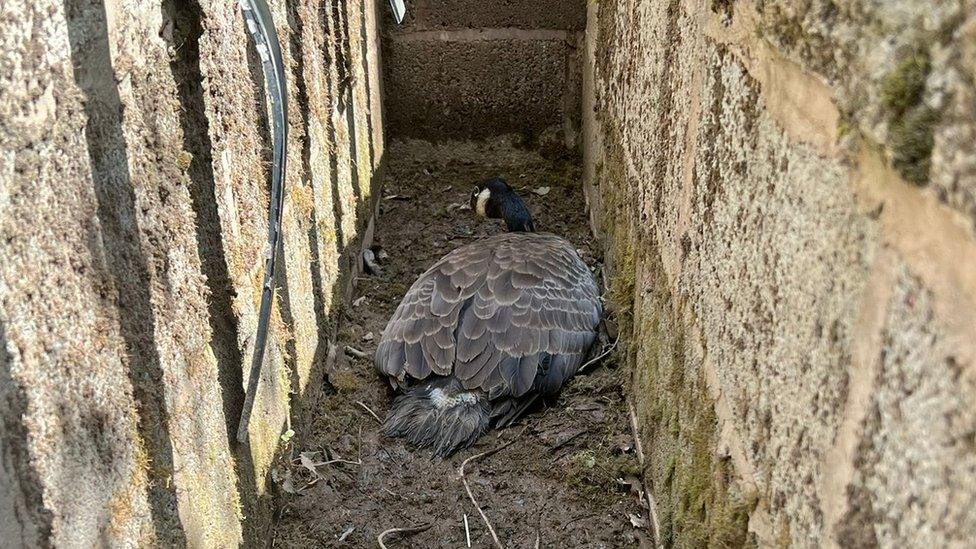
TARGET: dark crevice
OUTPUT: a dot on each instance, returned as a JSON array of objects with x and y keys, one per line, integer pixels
[
  {"x": 346, "y": 89},
  {"x": 712, "y": 174},
  {"x": 186, "y": 17},
  {"x": 353, "y": 156},
  {"x": 17, "y": 475},
  {"x": 256, "y": 73},
  {"x": 326, "y": 21},
  {"x": 364, "y": 43},
  {"x": 123, "y": 254},
  {"x": 664, "y": 141},
  {"x": 318, "y": 304},
  {"x": 283, "y": 294},
  {"x": 296, "y": 27},
  {"x": 341, "y": 44},
  {"x": 351, "y": 111}
]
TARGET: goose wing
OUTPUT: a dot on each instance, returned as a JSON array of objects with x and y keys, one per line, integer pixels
[{"x": 504, "y": 315}]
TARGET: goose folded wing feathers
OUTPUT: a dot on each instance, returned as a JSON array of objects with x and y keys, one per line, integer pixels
[{"x": 492, "y": 312}]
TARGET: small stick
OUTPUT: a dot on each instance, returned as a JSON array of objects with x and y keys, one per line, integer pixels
[
  {"x": 328, "y": 462},
  {"x": 352, "y": 351},
  {"x": 636, "y": 433},
  {"x": 467, "y": 487},
  {"x": 651, "y": 502},
  {"x": 598, "y": 357},
  {"x": 467, "y": 530},
  {"x": 331, "y": 461},
  {"x": 372, "y": 413},
  {"x": 407, "y": 530},
  {"x": 311, "y": 483}
]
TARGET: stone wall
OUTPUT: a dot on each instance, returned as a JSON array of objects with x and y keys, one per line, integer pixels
[
  {"x": 786, "y": 193},
  {"x": 464, "y": 68},
  {"x": 134, "y": 155}
]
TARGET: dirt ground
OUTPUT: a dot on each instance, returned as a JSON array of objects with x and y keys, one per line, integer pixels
[{"x": 569, "y": 480}]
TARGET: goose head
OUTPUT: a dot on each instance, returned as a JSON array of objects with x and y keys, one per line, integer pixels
[{"x": 496, "y": 199}]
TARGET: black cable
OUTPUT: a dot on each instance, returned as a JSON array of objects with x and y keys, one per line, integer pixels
[{"x": 260, "y": 24}]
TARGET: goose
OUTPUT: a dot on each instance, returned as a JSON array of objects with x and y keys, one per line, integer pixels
[{"x": 488, "y": 329}]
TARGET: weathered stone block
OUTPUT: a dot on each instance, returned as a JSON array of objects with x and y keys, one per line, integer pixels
[
  {"x": 439, "y": 89},
  {"x": 522, "y": 14}
]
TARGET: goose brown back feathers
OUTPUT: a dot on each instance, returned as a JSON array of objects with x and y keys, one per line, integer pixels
[{"x": 509, "y": 315}]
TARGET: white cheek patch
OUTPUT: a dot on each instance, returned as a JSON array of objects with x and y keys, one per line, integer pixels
[{"x": 482, "y": 201}]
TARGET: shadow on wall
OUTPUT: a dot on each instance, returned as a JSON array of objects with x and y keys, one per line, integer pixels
[
  {"x": 321, "y": 352},
  {"x": 23, "y": 519},
  {"x": 121, "y": 248},
  {"x": 186, "y": 17}
]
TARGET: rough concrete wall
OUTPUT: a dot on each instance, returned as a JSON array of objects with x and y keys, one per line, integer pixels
[
  {"x": 785, "y": 192},
  {"x": 459, "y": 68},
  {"x": 134, "y": 156},
  {"x": 70, "y": 443}
]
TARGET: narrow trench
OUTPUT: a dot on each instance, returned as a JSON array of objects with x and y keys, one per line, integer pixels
[{"x": 566, "y": 482}]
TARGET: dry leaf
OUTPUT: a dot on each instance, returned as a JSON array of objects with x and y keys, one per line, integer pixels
[
  {"x": 308, "y": 462},
  {"x": 286, "y": 484}
]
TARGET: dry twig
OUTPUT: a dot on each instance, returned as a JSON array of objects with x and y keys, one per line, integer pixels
[
  {"x": 467, "y": 487},
  {"x": 651, "y": 502},
  {"x": 331, "y": 461},
  {"x": 371, "y": 412},
  {"x": 352, "y": 351},
  {"x": 407, "y": 530},
  {"x": 633, "y": 427},
  {"x": 599, "y": 357}
]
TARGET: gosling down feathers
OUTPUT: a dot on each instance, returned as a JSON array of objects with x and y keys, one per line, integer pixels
[{"x": 487, "y": 330}]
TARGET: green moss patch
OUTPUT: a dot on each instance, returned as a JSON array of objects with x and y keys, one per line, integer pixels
[
  {"x": 698, "y": 504},
  {"x": 911, "y": 123}
]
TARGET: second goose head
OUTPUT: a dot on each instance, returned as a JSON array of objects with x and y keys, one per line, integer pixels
[{"x": 496, "y": 199}]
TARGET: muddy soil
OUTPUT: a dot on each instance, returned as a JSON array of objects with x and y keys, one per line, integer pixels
[{"x": 569, "y": 480}]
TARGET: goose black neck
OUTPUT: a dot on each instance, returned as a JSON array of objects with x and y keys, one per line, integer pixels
[{"x": 516, "y": 214}]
